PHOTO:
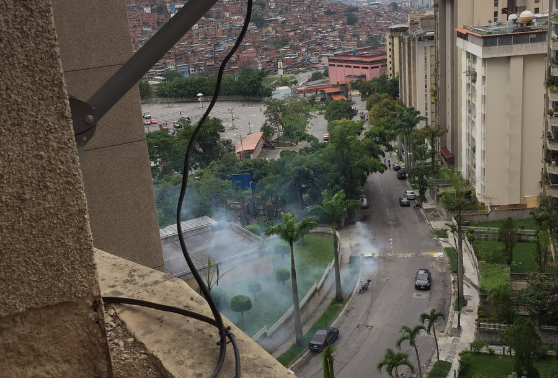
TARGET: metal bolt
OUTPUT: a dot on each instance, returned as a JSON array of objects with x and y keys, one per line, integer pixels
[{"x": 89, "y": 119}]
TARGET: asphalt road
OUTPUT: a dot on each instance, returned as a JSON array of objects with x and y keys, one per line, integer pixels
[{"x": 402, "y": 239}]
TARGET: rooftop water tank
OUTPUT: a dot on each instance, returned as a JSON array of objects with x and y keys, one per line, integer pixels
[{"x": 526, "y": 16}]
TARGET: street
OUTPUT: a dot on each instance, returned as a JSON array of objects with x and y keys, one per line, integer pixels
[{"x": 403, "y": 242}]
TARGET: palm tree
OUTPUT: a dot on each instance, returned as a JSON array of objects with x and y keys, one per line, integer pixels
[
  {"x": 500, "y": 296},
  {"x": 406, "y": 119},
  {"x": 327, "y": 361},
  {"x": 430, "y": 320},
  {"x": 392, "y": 360},
  {"x": 334, "y": 209},
  {"x": 432, "y": 133},
  {"x": 290, "y": 231},
  {"x": 411, "y": 334}
]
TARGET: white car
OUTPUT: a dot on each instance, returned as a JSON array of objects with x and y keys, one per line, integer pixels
[{"x": 410, "y": 194}]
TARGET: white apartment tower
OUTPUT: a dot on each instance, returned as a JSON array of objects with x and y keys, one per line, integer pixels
[{"x": 502, "y": 108}]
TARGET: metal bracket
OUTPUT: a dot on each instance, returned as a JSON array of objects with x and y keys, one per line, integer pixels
[{"x": 83, "y": 120}]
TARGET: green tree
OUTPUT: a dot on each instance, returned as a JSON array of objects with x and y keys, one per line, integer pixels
[
  {"x": 282, "y": 274},
  {"x": 392, "y": 360},
  {"x": 334, "y": 209},
  {"x": 429, "y": 320},
  {"x": 254, "y": 287},
  {"x": 382, "y": 84},
  {"x": 507, "y": 233},
  {"x": 337, "y": 110},
  {"x": 501, "y": 297},
  {"x": 145, "y": 90},
  {"x": 524, "y": 339},
  {"x": 351, "y": 18},
  {"x": 241, "y": 303},
  {"x": 546, "y": 221},
  {"x": 456, "y": 200},
  {"x": 540, "y": 299},
  {"x": 258, "y": 19},
  {"x": 327, "y": 361},
  {"x": 410, "y": 335},
  {"x": 291, "y": 231},
  {"x": 172, "y": 74},
  {"x": 406, "y": 119},
  {"x": 432, "y": 133}
]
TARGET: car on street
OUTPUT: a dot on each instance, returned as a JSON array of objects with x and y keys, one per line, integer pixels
[
  {"x": 326, "y": 137},
  {"x": 363, "y": 202},
  {"x": 368, "y": 258},
  {"x": 401, "y": 175},
  {"x": 423, "y": 279},
  {"x": 152, "y": 121},
  {"x": 146, "y": 122},
  {"x": 396, "y": 166},
  {"x": 404, "y": 201},
  {"x": 410, "y": 194},
  {"x": 177, "y": 125},
  {"x": 322, "y": 338},
  {"x": 163, "y": 127}
]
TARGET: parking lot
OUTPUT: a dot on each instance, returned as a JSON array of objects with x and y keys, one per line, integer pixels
[{"x": 248, "y": 117}]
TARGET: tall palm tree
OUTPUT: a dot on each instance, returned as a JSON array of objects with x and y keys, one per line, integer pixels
[
  {"x": 410, "y": 334},
  {"x": 406, "y": 119},
  {"x": 327, "y": 361},
  {"x": 392, "y": 360},
  {"x": 334, "y": 208},
  {"x": 290, "y": 231},
  {"x": 430, "y": 319}
]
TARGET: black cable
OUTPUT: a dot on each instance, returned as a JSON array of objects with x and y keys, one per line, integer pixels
[{"x": 223, "y": 331}]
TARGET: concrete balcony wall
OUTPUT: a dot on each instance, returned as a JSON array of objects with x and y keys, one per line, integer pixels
[
  {"x": 552, "y": 121},
  {"x": 552, "y": 191},
  {"x": 552, "y": 145},
  {"x": 552, "y": 168},
  {"x": 554, "y": 45},
  {"x": 553, "y": 96},
  {"x": 554, "y": 70}
]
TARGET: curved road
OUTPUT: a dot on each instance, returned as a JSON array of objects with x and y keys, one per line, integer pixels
[{"x": 403, "y": 242}]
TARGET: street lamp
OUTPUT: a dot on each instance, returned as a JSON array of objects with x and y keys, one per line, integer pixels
[
  {"x": 231, "y": 110},
  {"x": 200, "y": 95}
]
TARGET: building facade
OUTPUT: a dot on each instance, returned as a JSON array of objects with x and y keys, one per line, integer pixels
[
  {"x": 550, "y": 152},
  {"x": 392, "y": 45},
  {"x": 502, "y": 110},
  {"x": 342, "y": 67}
]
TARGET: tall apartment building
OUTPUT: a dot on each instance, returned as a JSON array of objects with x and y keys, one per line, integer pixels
[
  {"x": 502, "y": 109},
  {"x": 449, "y": 15},
  {"x": 417, "y": 63},
  {"x": 392, "y": 45},
  {"x": 550, "y": 152}
]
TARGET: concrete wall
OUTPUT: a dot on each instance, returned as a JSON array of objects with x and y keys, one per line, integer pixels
[
  {"x": 94, "y": 42},
  {"x": 51, "y": 319}
]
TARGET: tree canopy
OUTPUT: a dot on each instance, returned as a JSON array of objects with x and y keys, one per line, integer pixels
[{"x": 337, "y": 110}]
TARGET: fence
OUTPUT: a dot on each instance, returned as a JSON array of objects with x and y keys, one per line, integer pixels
[
  {"x": 491, "y": 233},
  {"x": 490, "y": 333},
  {"x": 158, "y": 100}
]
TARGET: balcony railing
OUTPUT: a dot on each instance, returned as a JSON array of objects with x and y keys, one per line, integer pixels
[
  {"x": 552, "y": 145},
  {"x": 553, "y": 96},
  {"x": 554, "y": 45},
  {"x": 552, "y": 168},
  {"x": 554, "y": 70},
  {"x": 552, "y": 190},
  {"x": 553, "y": 120}
]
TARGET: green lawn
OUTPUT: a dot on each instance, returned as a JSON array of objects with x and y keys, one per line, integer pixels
[
  {"x": 443, "y": 234},
  {"x": 492, "y": 276},
  {"x": 501, "y": 367},
  {"x": 440, "y": 369},
  {"x": 523, "y": 255},
  {"x": 311, "y": 258},
  {"x": 452, "y": 256},
  {"x": 529, "y": 224}
]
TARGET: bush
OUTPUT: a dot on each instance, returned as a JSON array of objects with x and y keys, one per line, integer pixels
[
  {"x": 253, "y": 228},
  {"x": 543, "y": 352},
  {"x": 282, "y": 250},
  {"x": 491, "y": 351},
  {"x": 464, "y": 362},
  {"x": 471, "y": 238},
  {"x": 477, "y": 345}
]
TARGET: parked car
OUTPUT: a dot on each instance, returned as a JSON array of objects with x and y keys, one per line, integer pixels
[
  {"x": 326, "y": 137},
  {"x": 396, "y": 166},
  {"x": 410, "y": 194},
  {"x": 163, "y": 127},
  {"x": 368, "y": 258},
  {"x": 146, "y": 122},
  {"x": 177, "y": 125},
  {"x": 363, "y": 202},
  {"x": 146, "y": 116},
  {"x": 423, "y": 279},
  {"x": 401, "y": 175},
  {"x": 152, "y": 121},
  {"x": 322, "y": 338},
  {"x": 404, "y": 201}
]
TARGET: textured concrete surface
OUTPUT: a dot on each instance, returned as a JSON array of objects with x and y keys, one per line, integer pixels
[
  {"x": 50, "y": 313},
  {"x": 186, "y": 347},
  {"x": 94, "y": 43}
]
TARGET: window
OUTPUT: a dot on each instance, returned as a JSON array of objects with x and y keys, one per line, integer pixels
[
  {"x": 536, "y": 10},
  {"x": 495, "y": 3},
  {"x": 537, "y": 1},
  {"x": 496, "y": 14}
]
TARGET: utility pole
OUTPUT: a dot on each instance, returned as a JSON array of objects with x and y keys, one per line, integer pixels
[{"x": 231, "y": 110}]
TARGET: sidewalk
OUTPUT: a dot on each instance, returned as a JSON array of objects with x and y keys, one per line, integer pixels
[{"x": 454, "y": 340}]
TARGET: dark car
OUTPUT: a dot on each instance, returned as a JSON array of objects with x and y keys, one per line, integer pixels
[
  {"x": 401, "y": 175},
  {"x": 404, "y": 201},
  {"x": 322, "y": 338},
  {"x": 396, "y": 166},
  {"x": 363, "y": 202},
  {"x": 423, "y": 279}
]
